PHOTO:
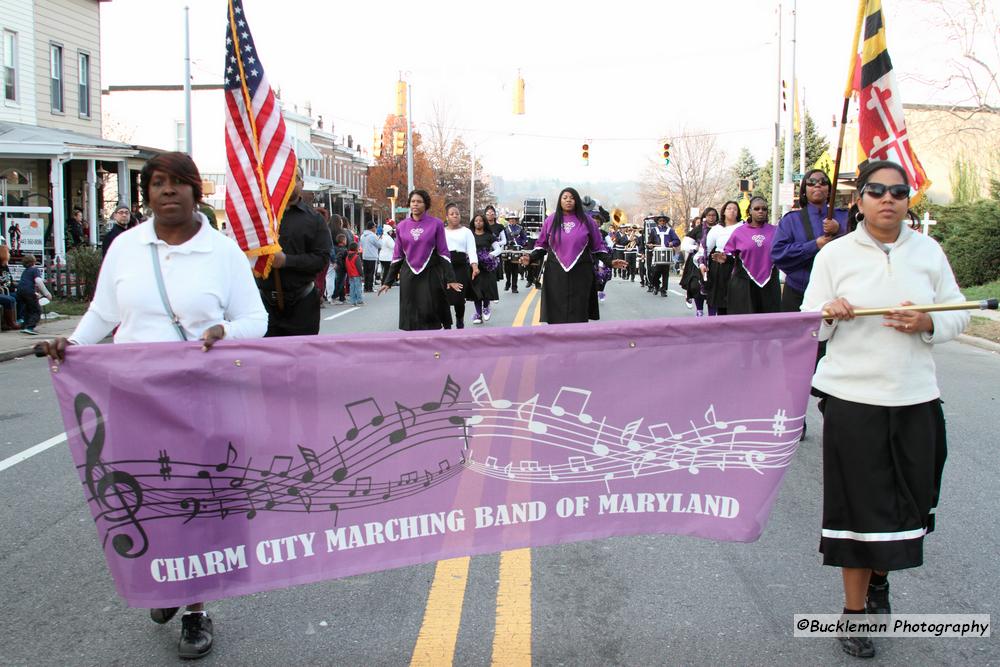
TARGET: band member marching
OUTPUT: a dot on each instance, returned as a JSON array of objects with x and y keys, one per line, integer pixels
[
  {"x": 662, "y": 236},
  {"x": 517, "y": 238},
  {"x": 464, "y": 261}
]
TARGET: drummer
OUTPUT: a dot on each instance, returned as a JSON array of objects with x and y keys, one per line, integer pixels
[
  {"x": 661, "y": 236},
  {"x": 517, "y": 239}
]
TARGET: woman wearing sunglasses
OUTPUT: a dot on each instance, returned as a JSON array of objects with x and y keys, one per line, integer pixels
[
  {"x": 802, "y": 233},
  {"x": 883, "y": 431},
  {"x": 753, "y": 285}
]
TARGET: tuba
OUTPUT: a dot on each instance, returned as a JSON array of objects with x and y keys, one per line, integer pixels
[{"x": 619, "y": 217}]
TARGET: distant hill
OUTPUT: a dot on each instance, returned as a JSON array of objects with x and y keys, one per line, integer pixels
[{"x": 511, "y": 193}]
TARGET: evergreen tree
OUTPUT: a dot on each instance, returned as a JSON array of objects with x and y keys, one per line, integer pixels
[
  {"x": 816, "y": 145},
  {"x": 746, "y": 167}
]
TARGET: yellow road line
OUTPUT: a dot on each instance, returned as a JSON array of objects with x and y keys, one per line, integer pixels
[
  {"x": 537, "y": 318},
  {"x": 438, "y": 634},
  {"x": 512, "y": 636},
  {"x": 439, "y": 631}
]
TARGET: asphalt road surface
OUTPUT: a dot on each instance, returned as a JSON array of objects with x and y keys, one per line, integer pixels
[{"x": 647, "y": 600}]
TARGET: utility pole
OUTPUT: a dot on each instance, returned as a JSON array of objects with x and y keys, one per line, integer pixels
[
  {"x": 790, "y": 136},
  {"x": 409, "y": 138},
  {"x": 802, "y": 134},
  {"x": 187, "y": 83},
  {"x": 777, "y": 122},
  {"x": 472, "y": 184}
]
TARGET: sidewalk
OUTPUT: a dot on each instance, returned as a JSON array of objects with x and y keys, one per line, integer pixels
[{"x": 14, "y": 344}]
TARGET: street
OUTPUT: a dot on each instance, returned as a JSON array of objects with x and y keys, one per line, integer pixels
[{"x": 656, "y": 599}]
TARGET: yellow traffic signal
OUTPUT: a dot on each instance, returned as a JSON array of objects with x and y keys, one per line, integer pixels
[
  {"x": 398, "y": 143},
  {"x": 519, "y": 97},
  {"x": 377, "y": 144},
  {"x": 666, "y": 153},
  {"x": 585, "y": 154},
  {"x": 400, "y": 98}
]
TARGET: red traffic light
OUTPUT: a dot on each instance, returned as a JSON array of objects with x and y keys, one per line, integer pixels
[{"x": 585, "y": 151}]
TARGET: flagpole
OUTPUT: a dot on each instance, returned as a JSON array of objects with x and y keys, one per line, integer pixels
[
  {"x": 775, "y": 153},
  {"x": 847, "y": 101},
  {"x": 790, "y": 129}
]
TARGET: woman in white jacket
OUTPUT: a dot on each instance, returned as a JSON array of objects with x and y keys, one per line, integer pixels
[
  {"x": 386, "y": 249},
  {"x": 883, "y": 432}
]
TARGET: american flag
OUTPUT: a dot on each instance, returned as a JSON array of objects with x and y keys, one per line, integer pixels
[{"x": 261, "y": 162}]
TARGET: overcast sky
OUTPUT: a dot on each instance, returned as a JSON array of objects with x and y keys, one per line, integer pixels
[{"x": 623, "y": 75}]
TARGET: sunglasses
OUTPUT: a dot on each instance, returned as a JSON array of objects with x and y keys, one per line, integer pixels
[
  {"x": 759, "y": 208},
  {"x": 818, "y": 182},
  {"x": 899, "y": 192}
]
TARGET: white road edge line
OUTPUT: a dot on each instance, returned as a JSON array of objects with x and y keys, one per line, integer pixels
[
  {"x": 31, "y": 451},
  {"x": 673, "y": 291},
  {"x": 351, "y": 309}
]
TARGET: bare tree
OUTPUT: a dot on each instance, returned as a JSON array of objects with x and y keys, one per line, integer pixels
[
  {"x": 972, "y": 27},
  {"x": 451, "y": 160},
  {"x": 697, "y": 176}
]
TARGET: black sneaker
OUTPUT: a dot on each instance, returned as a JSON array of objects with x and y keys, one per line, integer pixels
[
  {"x": 196, "y": 636},
  {"x": 878, "y": 599},
  {"x": 859, "y": 647},
  {"x": 162, "y": 615}
]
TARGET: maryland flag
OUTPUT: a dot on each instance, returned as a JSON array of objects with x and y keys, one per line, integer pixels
[{"x": 881, "y": 128}]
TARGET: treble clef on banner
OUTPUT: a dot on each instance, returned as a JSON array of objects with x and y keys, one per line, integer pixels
[{"x": 118, "y": 483}]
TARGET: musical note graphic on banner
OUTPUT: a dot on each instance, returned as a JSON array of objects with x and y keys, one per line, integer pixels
[
  {"x": 655, "y": 428},
  {"x": 691, "y": 463},
  {"x": 310, "y": 458},
  {"x": 640, "y": 461},
  {"x": 560, "y": 410},
  {"x": 491, "y": 462},
  {"x": 576, "y": 463},
  {"x": 480, "y": 390},
  {"x": 225, "y": 464},
  {"x": 598, "y": 447},
  {"x": 373, "y": 415},
  {"x": 533, "y": 426},
  {"x": 627, "y": 438},
  {"x": 529, "y": 466},
  {"x": 451, "y": 392},
  {"x": 408, "y": 478},
  {"x": 282, "y": 461},
  {"x": 237, "y": 482},
  {"x": 754, "y": 456},
  {"x": 358, "y": 483},
  {"x": 399, "y": 434},
  {"x": 444, "y": 465},
  {"x": 340, "y": 473}
]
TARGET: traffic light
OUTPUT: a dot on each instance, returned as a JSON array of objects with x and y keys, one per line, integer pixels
[
  {"x": 519, "y": 96},
  {"x": 398, "y": 143},
  {"x": 666, "y": 154},
  {"x": 400, "y": 98},
  {"x": 377, "y": 145},
  {"x": 784, "y": 96},
  {"x": 585, "y": 154},
  {"x": 392, "y": 192}
]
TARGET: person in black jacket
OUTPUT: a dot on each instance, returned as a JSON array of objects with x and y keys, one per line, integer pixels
[
  {"x": 289, "y": 292},
  {"x": 122, "y": 220}
]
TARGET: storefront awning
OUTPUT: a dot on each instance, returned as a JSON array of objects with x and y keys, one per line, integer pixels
[
  {"x": 32, "y": 141},
  {"x": 306, "y": 151}
]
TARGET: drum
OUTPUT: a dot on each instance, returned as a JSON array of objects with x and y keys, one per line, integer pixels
[{"x": 661, "y": 256}]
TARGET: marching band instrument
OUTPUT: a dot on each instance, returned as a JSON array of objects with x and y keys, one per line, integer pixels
[
  {"x": 985, "y": 304},
  {"x": 661, "y": 256},
  {"x": 619, "y": 217}
]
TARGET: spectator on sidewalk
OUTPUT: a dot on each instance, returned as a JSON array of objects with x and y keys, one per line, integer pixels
[
  {"x": 353, "y": 262},
  {"x": 8, "y": 291},
  {"x": 370, "y": 246},
  {"x": 385, "y": 251},
  {"x": 29, "y": 287}
]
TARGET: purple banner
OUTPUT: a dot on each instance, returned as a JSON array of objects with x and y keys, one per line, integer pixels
[{"x": 277, "y": 462}]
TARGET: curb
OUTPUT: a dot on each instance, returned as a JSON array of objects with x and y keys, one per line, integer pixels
[
  {"x": 16, "y": 354},
  {"x": 981, "y": 343}
]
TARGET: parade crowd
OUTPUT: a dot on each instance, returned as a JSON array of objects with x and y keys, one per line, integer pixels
[{"x": 884, "y": 446}]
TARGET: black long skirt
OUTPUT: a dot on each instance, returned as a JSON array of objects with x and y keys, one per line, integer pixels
[
  {"x": 691, "y": 277},
  {"x": 569, "y": 296},
  {"x": 423, "y": 303},
  {"x": 718, "y": 282},
  {"x": 745, "y": 297},
  {"x": 463, "y": 274},
  {"x": 484, "y": 287},
  {"x": 882, "y": 471}
]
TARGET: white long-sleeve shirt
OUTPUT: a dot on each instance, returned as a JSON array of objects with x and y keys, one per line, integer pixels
[
  {"x": 718, "y": 237},
  {"x": 867, "y": 362},
  {"x": 208, "y": 281},
  {"x": 387, "y": 248},
  {"x": 462, "y": 240}
]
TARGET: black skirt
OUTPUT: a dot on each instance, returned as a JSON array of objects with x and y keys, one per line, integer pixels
[
  {"x": 463, "y": 274},
  {"x": 718, "y": 282},
  {"x": 423, "y": 303},
  {"x": 484, "y": 287},
  {"x": 745, "y": 297},
  {"x": 881, "y": 482},
  {"x": 691, "y": 277},
  {"x": 569, "y": 296}
]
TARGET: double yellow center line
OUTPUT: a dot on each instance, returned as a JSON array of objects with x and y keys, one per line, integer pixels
[{"x": 443, "y": 614}]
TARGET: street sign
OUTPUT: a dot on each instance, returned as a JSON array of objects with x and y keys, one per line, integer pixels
[
  {"x": 786, "y": 194},
  {"x": 402, "y": 209}
]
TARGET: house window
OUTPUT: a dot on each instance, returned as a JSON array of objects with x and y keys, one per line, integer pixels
[
  {"x": 56, "y": 76},
  {"x": 84, "y": 85},
  {"x": 10, "y": 66},
  {"x": 181, "y": 136}
]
